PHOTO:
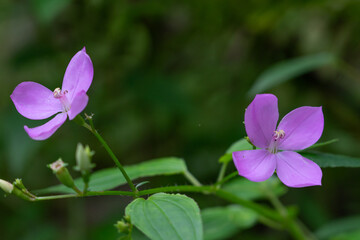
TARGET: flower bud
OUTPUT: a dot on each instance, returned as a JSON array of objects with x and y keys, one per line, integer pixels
[
  {"x": 122, "y": 227},
  {"x": 83, "y": 159},
  {"x": 59, "y": 169},
  {"x": 13, "y": 189},
  {"x": 19, "y": 184},
  {"x": 6, "y": 186}
]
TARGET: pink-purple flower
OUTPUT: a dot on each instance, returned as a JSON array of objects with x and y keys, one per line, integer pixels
[
  {"x": 34, "y": 101},
  {"x": 298, "y": 130}
]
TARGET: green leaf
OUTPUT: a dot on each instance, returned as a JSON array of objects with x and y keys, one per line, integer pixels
[
  {"x": 166, "y": 216},
  {"x": 224, "y": 222},
  {"x": 110, "y": 178},
  {"x": 338, "y": 227},
  {"x": 321, "y": 144},
  {"x": 136, "y": 234},
  {"x": 289, "y": 69},
  {"x": 331, "y": 160},
  {"x": 249, "y": 190},
  {"x": 239, "y": 145}
]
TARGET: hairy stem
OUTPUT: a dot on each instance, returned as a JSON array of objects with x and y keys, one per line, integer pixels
[
  {"x": 116, "y": 161},
  {"x": 92, "y": 129}
]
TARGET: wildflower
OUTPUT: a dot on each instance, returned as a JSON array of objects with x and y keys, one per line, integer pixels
[
  {"x": 34, "y": 101},
  {"x": 298, "y": 130}
]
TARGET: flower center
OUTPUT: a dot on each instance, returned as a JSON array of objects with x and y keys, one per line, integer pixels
[
  {"x": 63, "y": 99},
  {"x": 278, "y": 135}
]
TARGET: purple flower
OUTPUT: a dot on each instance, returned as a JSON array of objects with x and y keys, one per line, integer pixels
[
  {"x": 298, "y": 130},
  {"x": 34, "y": 101}
]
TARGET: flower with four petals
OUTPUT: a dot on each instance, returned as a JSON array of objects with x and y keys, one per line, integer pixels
[
  {"x": 298, "y": 130},
  {"x": 34, "y": 101}
]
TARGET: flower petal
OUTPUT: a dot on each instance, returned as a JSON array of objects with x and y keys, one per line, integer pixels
[
  {"x": 303, "y": 127},
  {"x": 79, "y": 74},
  {"x": 296, "y": 171},
  {"x": 45, "y": 131},
  {"x": 79, "y": 103},
  {"x": 255, "y": 165},
  {"x": 34, "y": 101},
  {"x": 261, "y": 117}
]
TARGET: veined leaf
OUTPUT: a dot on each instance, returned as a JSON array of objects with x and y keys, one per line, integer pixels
[
  {"x": 249, "y": 190},
  {"x": 289, "y": 69},
  {"x": 110, "y": 178},
  {"x": 331, "y": 160},
  {"x": 223, "y": 222},
  {"x": 166, "y": 216}
]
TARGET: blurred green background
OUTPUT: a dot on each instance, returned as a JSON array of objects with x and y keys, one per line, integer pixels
[{"x": 172, "y": 78}]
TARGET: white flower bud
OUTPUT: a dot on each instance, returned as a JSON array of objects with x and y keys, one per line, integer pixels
[
  {"x": 6, "y": 186},
  {"x": 83, "y": 159}
]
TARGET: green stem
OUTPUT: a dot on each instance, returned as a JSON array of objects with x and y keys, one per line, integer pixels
[
  {"x": 86, "y": 186},
  {"x": 221, "y": 174},
  {"x": 276, "y": 202},
  {"x": 116, "y": 161},
  {"x": 262, "y": 210},
  {"x": 56, "y": 197},
  {"x": 78, "y": 191},
  {"x": 111, "y": 193},
  {"x": 268, "y": 215},
  {"x": 265, "y": 211},
  {"x": 227, "y": 178},
  {"x": 92, "y": 129},
  {"x": 270, "y": 223},
  {"x": 192, "y": 179},
  {"x": 289, "y": 222}
]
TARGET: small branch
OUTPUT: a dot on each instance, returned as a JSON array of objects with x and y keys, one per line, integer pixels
[
  {"x": 270, "y": 223},
  {"x": 289, "y": 222},
  {"x": 78, "y": 191},
  {"x": 221, "y": 174},
  {"x": 56, "y": 197},
  {"x": 192, "y": 179},
  {"x": 92, "y": 129},
  {"x": 227, "y": 178},
  {"x": 262, "y": 210},
  {"x": 267, "y": 215}
]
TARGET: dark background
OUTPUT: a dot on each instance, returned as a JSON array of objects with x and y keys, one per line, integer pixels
[{"x": 172, "y": 79}]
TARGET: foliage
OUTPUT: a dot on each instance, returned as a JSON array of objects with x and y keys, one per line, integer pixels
[{"x": 172, "y": 79}]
